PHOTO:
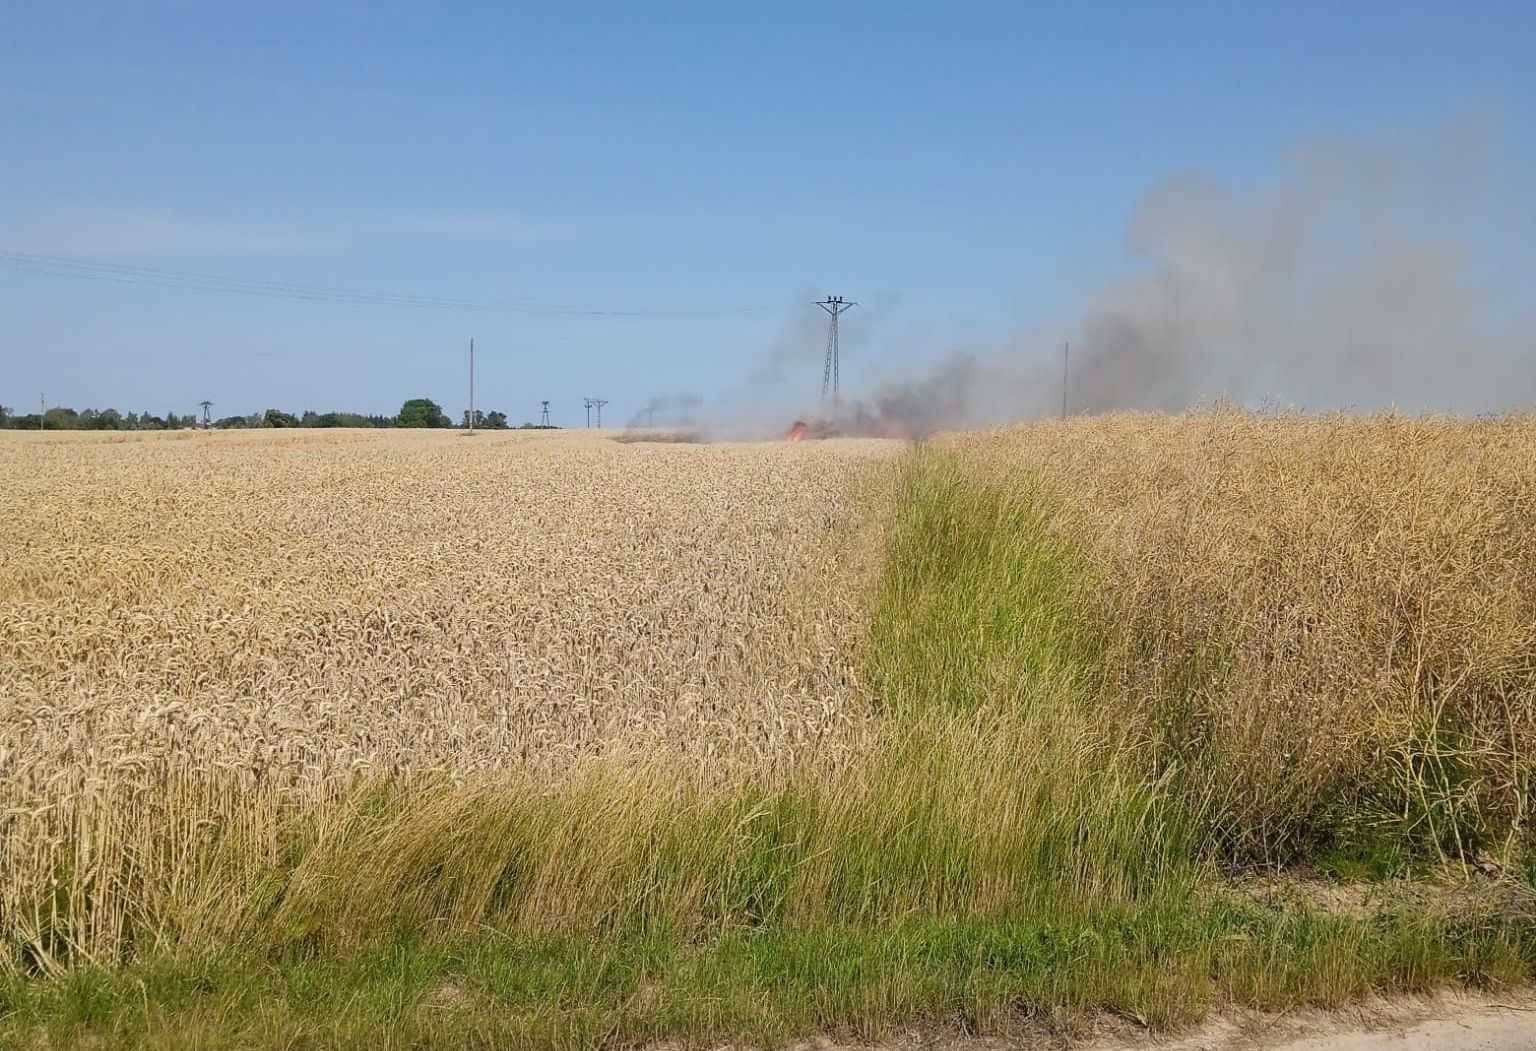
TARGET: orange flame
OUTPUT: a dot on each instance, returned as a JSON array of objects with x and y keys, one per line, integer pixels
[{"x": 796, "y": 432}]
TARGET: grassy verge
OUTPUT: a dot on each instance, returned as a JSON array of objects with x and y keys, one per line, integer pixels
[
  {"x": 1009, "y": 849},
  {"x": 763, "y": 986}
]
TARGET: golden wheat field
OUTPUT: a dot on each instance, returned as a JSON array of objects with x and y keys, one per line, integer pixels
[{"x": 197, "y": 626}]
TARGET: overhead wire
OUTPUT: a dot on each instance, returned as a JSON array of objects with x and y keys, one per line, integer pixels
[{"x": 125, "y": 273}]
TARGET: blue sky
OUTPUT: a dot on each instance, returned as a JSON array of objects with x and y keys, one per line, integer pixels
[{"x": 967, "y": 174}]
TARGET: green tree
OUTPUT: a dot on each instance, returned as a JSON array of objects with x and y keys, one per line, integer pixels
[
  {"x": 277, "y": 418},
  {"x": 423, "y": 412},
  {"x": 61, "y": 419},
  {"x": 490, "y": 421}
]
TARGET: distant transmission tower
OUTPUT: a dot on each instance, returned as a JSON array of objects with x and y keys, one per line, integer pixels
[
  {"x": 544, "y": 418},
  {"x": 207, "y": 420},
  {"x": 598, "y": 403},
  {"x": 835, "y": 306}
]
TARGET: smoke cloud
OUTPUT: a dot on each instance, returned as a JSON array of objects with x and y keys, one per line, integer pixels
[
  {"x": 1350, "y": 283},
  {"x": 1359, "y": 278}
]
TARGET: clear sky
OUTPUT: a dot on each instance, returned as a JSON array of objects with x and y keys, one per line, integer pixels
[{"x": 964, "y": 171}]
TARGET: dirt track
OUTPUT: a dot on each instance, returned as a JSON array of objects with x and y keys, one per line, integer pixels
[
  {"x": 1502, "y": 1031},
  {"x": 1451, "y": 1022}
]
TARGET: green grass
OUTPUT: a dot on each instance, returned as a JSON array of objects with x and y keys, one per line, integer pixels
[
  {"x": 764, "y": 986},
  {"x": 1005, "y": 852},
  {"x": 978, "y": 604}
]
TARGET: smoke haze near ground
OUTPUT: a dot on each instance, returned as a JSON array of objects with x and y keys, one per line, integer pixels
[
  {"x": 1352, "y": 280},
  {"x": 668, "y": 410}
]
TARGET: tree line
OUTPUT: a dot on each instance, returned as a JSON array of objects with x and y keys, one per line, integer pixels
[{"x": 417, "y": 412}]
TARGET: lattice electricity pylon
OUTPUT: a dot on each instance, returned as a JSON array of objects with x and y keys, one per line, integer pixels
[
  {"x": 207, "y": 420},
  {"x": 544, "y": 418},
  {"x": 835, "y": 306}
]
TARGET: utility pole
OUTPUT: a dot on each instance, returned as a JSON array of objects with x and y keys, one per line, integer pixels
[
  {"x": 1066, "y": 358},
  {"x": 588, "y": 403},
  {"x": 42, "y": 411},
  {"x": 544, "y": 419},
  {"x": 835, "y": 306},
  {"x": 471, "y": 384},
  {"x": 650, "y": 417},
  {"x": 598, "y": 403}
]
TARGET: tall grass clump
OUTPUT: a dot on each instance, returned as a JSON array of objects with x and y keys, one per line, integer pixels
[
  {"x": 981, "y": 605},
  {"x": 984, "y": 620},
  {"x": 940, "y": 822}
]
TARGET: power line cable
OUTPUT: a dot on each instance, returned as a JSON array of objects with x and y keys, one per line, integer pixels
[
  {"x": 124, "y": 273},
  {"x": 180, "y": 278}
]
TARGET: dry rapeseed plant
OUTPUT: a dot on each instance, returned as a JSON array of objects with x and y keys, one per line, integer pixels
[
  {"x": 1322, "y": 619},
  {"x": 202, "y": 633}
]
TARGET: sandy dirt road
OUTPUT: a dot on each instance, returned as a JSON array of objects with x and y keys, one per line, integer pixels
[
  {"x": 1449, "y": 1022},
  {"x": 1486, "y": 1032}
]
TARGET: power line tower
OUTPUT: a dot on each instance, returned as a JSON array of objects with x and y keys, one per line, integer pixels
[
  {"x": 598, "y": 403},
  {"x": 835, "y": 306},
  {"x": 544, "y": 416},
  {"x": 207, "y": 420}
]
